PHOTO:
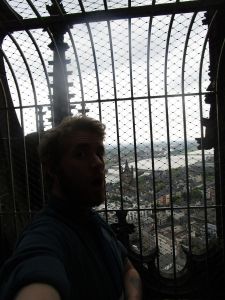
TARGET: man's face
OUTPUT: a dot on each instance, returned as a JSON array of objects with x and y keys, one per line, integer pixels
[{"x": 81, "y": 172}]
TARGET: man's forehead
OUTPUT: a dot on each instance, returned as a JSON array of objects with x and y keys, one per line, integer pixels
[{"x": 81, "y": 137}]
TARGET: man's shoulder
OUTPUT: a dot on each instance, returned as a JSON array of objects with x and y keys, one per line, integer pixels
[
  {"x": 44, "y": 220},
  {"x": 46, "y": 229}
]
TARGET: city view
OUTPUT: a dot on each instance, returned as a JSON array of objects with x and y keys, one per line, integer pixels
[{"x": 169, "y": 205}]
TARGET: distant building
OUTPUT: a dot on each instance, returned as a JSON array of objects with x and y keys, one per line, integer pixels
[
  {"x": 162, "y": 218},
  {"x": 164, "y": 200},
  {"x": 127, "y": 173},
  {"x": 211, "y": 194},
  {"x": 145, "y": 216},
  {"x": 179, "y": 217},
  {"x": 198, "y": 178},
  {"x": 165, "y": 243}
]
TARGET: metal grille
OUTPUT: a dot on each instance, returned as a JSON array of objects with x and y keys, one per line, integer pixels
[{"x": 146, "y": 78}]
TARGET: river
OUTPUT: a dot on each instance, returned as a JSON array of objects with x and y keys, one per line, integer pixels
[{"x": 160, "y": 163}]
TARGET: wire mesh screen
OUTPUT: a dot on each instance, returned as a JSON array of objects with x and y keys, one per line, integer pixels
[{"x": 146, "y": 79}]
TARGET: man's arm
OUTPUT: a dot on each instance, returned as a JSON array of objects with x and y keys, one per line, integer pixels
[
  {"x": 132, "y": 282},
  {"x": 37, "y": 291}
]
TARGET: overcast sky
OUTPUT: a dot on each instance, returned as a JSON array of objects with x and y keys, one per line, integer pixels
[{"x": 120, "y": 48}]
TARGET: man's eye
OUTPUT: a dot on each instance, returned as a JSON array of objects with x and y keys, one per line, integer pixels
[{"x": 79, "y": 154}]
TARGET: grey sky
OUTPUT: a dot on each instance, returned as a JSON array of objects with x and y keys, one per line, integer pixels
[{"x": 120, "y": 42}]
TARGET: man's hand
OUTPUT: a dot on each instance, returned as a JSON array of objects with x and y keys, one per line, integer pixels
[
  {"x": 37, "y": 291},
  {"x": 132, "y": 282}
]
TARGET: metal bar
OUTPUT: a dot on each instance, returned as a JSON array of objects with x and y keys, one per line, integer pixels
[
  {"x": 220, "y": 184},
  {"x": 29, "y": 73},
  {"x": 33, "y": 88},
  {"x": 114, "y": 210},
  {"x": 56, "y": 49},
  {"x": 35, "y": 106},
  {"x": 50, "y": 95},
  {"x": 146, "y": 97},
  {"x": 95, "y": 61},
  {"x": 116, "y": 113},
  {"x": 151, "y": 136},
  {"x": 113, "y": 72},
  {"x": 168, "y": 144},
  {"x": 81, "y": 6},
  {"x": 10, "y": 161},
  {"x": 112, "y": 14},
  {"x": 121, "y": 99},
  {"x": 22, "y": 125},
  {"x": 129, "y": 3},
  {"x": 185, "y": 127},
  {"x": 96, "y": 68},
  {"x": 43, "y": 64},
  {"x": 166, "y": 208},
  {"x": 134, "y": 135},
  {"x": 202, "y": 135},
  {"x": 20, "y": 107},
  {"x": 78, "y": 66}
]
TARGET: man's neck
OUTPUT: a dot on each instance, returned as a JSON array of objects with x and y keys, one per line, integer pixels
[{"x": 80, "y": 214}]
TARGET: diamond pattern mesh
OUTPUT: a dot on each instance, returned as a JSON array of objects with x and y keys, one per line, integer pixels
[{"x": 128, "y": 73}]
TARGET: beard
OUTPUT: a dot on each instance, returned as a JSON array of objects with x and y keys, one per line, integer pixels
[{"x": 79, "y": 194}]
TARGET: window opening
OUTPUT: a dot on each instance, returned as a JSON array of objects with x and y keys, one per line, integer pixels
[{"x": 146, "y": 79}]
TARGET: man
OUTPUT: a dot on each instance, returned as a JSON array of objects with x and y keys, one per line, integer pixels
[{"x": 68, "y": 252}]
